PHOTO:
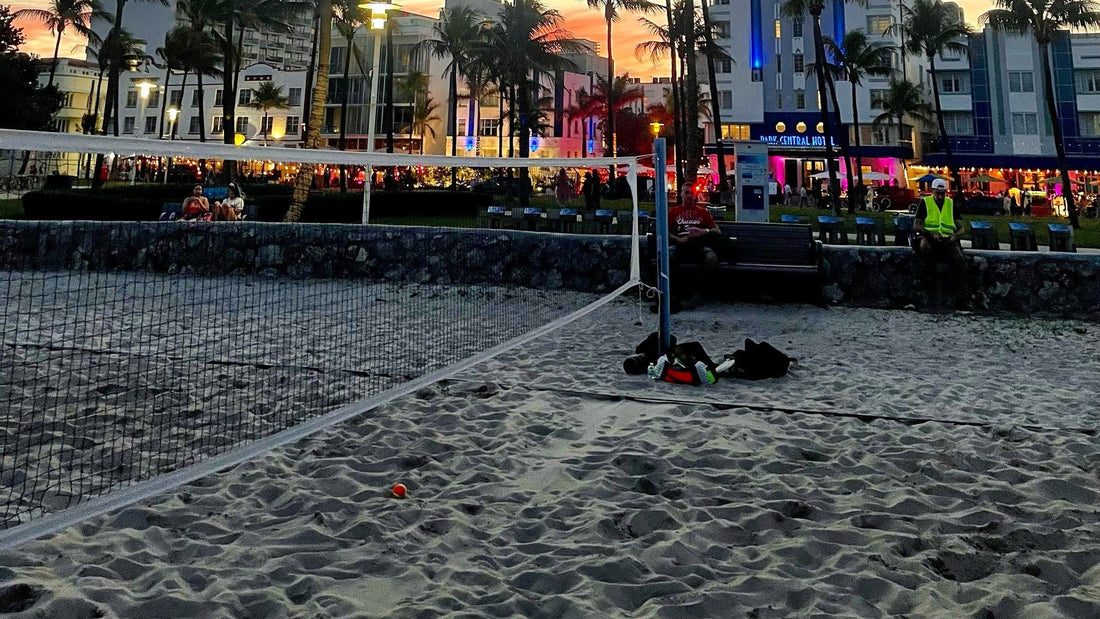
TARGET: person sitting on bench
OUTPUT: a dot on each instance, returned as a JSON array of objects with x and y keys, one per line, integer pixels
[
  {"x": 195, "y": 206},
  {"x": 231, "y": 207},
  {"x": 698, "y": 240},
  {"x": 938, "y": 230}
]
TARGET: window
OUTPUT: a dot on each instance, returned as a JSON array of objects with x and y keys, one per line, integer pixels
[
  {"x": 216, "y": 126},
  {"x": 265, "y": 124},
  {"x": 242, "y": 125},
  {"x": 800, "y": 99},
  {"x": 1021, "y": 81},
  {"x": 295, "y": 96},
  {"x": 799, "y": 63},
  {"x": 778, "y": 99},
  {"x": 176, "y": 98},
  {"x": 878, "y": 96},
  {"x": 725, "y": 99},
  {"x": 131, "y": 98},
  {"x": 193, "y": 125},
  {"x": 1088, "y": 81},
  {"x": 1025, "y": 124},
  {"x": 489, "y": 126},
  {"x": 778, "y": 29},
  {"x": 722, "y": 29},
  {"x": 877, "y": 25},
  {"x": 954, "y": 83},
  {"x": 292, "y": 125},
  {"x": 719, "y": 2},
  {"x": 735, "y": 132},
  {"x": 245, "y": 96},
  {"x": 336, "y": 60},
  {"x": 725, "y": 65},
  {"x": 951, "y": 53},
  {"x": 779, "y": 63},
  {"x": 958, "y": 123},
  {"x": 128, "y": 124},
  {"x": 796, "y": 27},
  {"x": 195, "y": 98},
  {"x": 218, "y": 97},
  {"x": 880, "y": 135},
  {"x": 1090, "y": 124},
  {"x": 154, "y": 98},
  {"x": 150, "y": 124}
]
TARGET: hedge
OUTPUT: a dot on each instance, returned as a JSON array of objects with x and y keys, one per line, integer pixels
[{"x": 145, "y": 202}]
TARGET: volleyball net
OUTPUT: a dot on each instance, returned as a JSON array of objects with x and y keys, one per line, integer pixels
[{"x": 142, "y": 353}]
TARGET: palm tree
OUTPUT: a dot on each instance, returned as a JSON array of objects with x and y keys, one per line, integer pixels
[
  {"x": 621, "y": 94},
  {"x": 116, "y": 49},
  {"x": 316, "y": 112},
  {"x": 268, "y": 97},
  {"x": 611, "y": 10},
  {"x": 796, "y": 9},
  {"x": 115, "y": 67},
  {"x": 931, "y": 30},
  {"x": 856, "y": 57},
  {"x": 456, "y": 31},
  {"x": 531, "y": 40},
  {"x": 413, "y": 87},
  {"x": 903, "y": 100},
  {"x": 424, "y": 119},
  {"x": 1046, "y": 19},
  {"x": 59, "y": 15},
  {"x": 713, "y": 53}
]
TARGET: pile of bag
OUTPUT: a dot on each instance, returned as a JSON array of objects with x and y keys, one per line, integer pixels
[{"x": 688, "y": 364}]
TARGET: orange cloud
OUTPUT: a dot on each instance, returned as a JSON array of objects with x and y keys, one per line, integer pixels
[{"x": 40, "y": 40}]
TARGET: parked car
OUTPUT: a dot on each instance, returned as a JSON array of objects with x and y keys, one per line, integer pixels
[
  {"x": 980, "y": 204},
  {"x": 895, "y": 198}
]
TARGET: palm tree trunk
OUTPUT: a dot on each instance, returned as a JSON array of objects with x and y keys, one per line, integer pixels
[
  {"x": 164, "y": 99},
  {"x": 202, "y": 111},
  {"x": 112, "y": 89},
  {"x": 389, "y": 86},
  {"x": 525, "y": 136},
  {"x": 56, "y": 50},
  {"x": 723, "y": 188},
  {"x": 304, "y": 181},
  {"x": 1056, "y": 124},
  {"x": 693, "y": 149},
  {"x": 955, "y": 179},
  {"x": 611, "y": 145},
  {"x": 453, "y": 103},
  {"x": 819, "y": 66},
  {"x": 675, "y": 88},
  {"x": 179, "y": 117},
  {"x": 859, "y": 138},
  {"x": 229, "y": 97},
  {"x": 845, "y": 153},
  {"x": 342, "y": 141},
  {"x": 307, "y": 94}
]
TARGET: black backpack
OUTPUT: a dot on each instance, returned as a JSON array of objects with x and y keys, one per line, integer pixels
[{"x": 759, "y": 360}]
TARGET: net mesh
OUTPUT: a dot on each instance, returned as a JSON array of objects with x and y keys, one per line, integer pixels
[{"x": 133, "y": 349}]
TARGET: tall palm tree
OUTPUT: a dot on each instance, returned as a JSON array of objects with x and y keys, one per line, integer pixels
[
  {"x": 424, "y": 119},
  {"x": 116, "y": 62},
  {"x": 855, "y": 58},
  {"x": 306, "y": 171},
  {"x": 611, "y": 9},
  {"x": 172, "y": 54},
  {"x": 931, "y": 30},
  {"x": 1046, "y": 19},
  {"x": 414, "y": 87},
  {"x": 59, "y": 15},
  {"x": 903, "y": 101},
  {"x": 457, "y": 30},
  {"x": 268, "y": 97},
  {"x": 203, "y": 57},
  {"x": 117, "y": 49},
  {"x": 714, "y": 53},
  {"x": 621, "y": 94},
  {"x": 797, "y": 9}
]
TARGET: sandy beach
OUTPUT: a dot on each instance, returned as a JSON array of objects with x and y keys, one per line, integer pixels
[{"x": 909, "y": 465}]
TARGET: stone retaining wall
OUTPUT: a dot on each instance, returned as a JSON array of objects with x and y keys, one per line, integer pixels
[{"x": 1043, "y": 284}]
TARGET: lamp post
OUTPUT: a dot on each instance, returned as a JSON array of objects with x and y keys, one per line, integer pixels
[
  {"x": 378, "y": 17},
  {"x": 144, "y": 86},
  {"x": 173, "y": 116}
]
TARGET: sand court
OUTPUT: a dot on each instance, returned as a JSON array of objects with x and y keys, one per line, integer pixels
[{"x": 546, "y": 482}]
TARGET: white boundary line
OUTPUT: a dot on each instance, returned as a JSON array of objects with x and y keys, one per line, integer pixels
[{"x": 55, "y": 522}]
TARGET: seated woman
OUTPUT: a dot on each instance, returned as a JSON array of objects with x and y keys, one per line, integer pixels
[
  {"x": 195, "y": 206},
  {"x": 231, "y": 207}
]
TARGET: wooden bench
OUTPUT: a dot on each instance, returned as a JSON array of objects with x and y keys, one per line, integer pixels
[{"x": 760, "y": 249}]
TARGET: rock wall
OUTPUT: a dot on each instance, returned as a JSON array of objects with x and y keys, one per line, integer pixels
[
  {"x": 423, "y": 255},
  {"x": 1041, "y": 284}
]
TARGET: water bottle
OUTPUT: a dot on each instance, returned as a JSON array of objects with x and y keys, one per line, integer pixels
[{"x": 656, "y": 370}]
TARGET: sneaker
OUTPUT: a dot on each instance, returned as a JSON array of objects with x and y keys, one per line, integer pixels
[{"x": 706, "y": 377}]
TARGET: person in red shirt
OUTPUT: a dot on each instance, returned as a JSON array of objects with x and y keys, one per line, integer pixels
[{"x": 699, "y": 246}]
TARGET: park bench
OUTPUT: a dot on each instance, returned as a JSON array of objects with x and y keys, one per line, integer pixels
[{"x": 784, "y": 256}]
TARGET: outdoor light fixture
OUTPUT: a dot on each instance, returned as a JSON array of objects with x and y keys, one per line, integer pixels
[
  {"x": 656, "y": 127},
  {"x": 378, "y": 13},
  {"x": 144, "y": 86}
]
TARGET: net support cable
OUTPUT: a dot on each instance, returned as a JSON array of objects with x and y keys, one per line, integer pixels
[{"x": 52, "y": 523}]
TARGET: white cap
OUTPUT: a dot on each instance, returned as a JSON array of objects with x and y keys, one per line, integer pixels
[{"x": 939, "y": 183}]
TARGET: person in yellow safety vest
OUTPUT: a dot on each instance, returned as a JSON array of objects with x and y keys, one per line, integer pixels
[{"x": 938, "y": 228}]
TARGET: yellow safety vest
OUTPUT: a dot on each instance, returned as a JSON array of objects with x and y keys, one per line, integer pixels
[{"x": 939, "y": 221}]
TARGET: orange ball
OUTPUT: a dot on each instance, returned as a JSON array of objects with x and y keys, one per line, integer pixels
[{"x": 399, "y": 490}]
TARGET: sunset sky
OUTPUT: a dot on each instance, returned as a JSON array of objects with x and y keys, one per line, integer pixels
[{"x": 582, "y": 21}]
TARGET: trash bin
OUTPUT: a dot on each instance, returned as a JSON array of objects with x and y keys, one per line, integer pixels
[
  {"x": 1061, "y": 238},
  {"x": 58, "y": 181}
]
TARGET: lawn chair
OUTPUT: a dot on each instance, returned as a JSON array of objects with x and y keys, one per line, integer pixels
[
  {"x": 170, "y": 211},
  {"x": 903, "y": 231}
]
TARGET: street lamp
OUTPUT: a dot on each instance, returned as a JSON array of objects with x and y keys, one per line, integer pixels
[
  {"x": 173, "y": 116},
  {"x": 656, "y": 128},
  {"x": 378, "y": 14},
  {"x": 143, "y": 86}
]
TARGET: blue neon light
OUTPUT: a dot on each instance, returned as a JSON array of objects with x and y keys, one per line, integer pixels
[
  {"x": 757, "y": 37},
  {"x": 838, "y": 21}
]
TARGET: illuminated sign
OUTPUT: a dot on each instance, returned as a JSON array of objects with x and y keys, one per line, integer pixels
[
  {"x": 469, "y": 143},
  {"x": 814, "y": 141},
  {"x": 534, "y": 143},
  {"x": 591, "y": 146}
]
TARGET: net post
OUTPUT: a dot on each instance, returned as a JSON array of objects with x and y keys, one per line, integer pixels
[
  {"x": 635, "y": 261},
  {"x": 660, "y": 211}
]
